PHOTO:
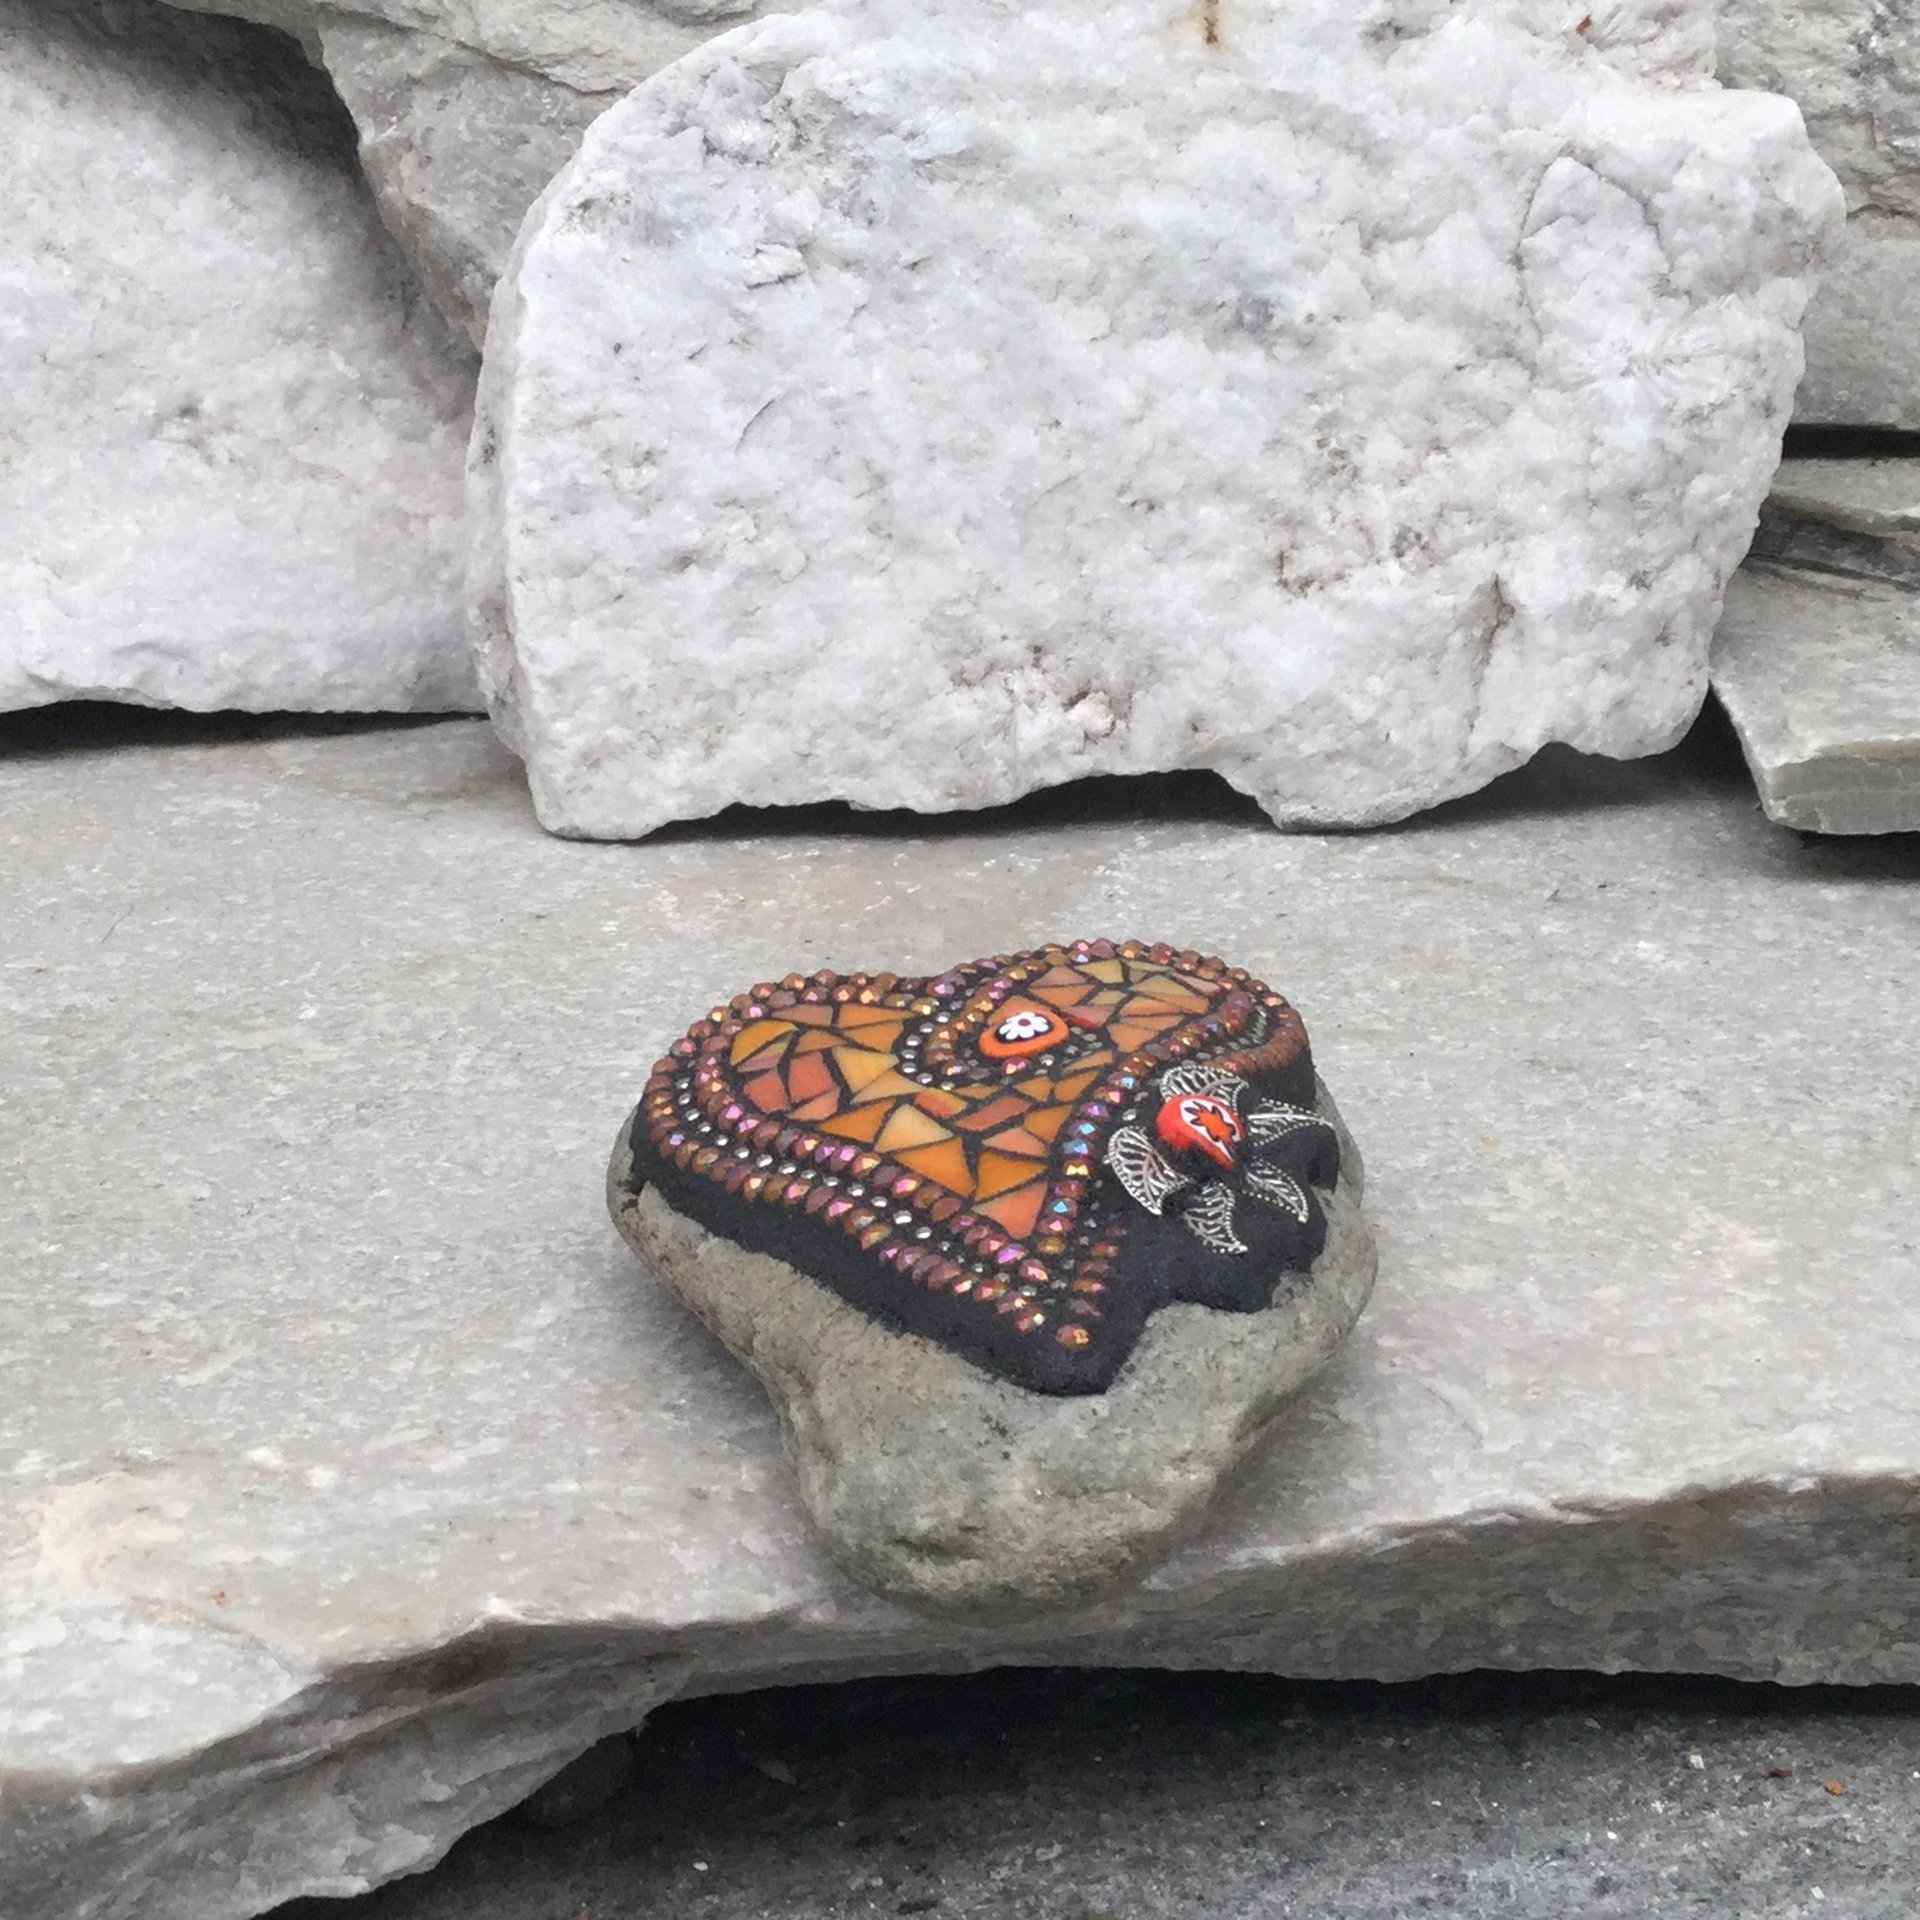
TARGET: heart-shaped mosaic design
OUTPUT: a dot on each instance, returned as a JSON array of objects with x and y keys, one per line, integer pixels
[{"x": 1020, "y": 1159}]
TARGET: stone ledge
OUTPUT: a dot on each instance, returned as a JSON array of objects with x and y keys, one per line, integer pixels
[{"x": 358, "y": 1480}]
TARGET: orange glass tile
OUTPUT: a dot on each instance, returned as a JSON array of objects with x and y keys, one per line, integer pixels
[
  {"x": 808, "y": 1078},
  {"x": 1131, "y": 1033},
  {"x": 1018, "y": 1140},
  {"x": 763, "y": 1059},
  {"x": 819, "y": 1107},
  {"x": 1046, "y": 1122},
  {"x": 886, "y": 1086},
  {"x": 946, "y": 1163},
  {"x": 856, "y": 1019},
  {"x": 940, "y": 1103},
  {"x": 1019, "y": 1210},
  {"x": 997, "y": 1111},
  {"x": 767, "y": 1091},
  {"x": 750, "y": 1039},
  {"x": 860, "y": 1067},
  {"x": 818, "y": 1041},
  {"x": 1173, "y": 990},
  {"x": 1060, "y": 977},
  {"x": 999, "y": 1171},
  {"x": 805, "y": 1016},
  {"x": 861, "y": 1124},
  {"x": 908, "y": 1127},
  {"x": 1063, "y": 996}
]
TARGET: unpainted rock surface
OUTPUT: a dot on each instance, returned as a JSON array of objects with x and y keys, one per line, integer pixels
[
  {"x": 950, "y": 1489},
  {"x": 1853, "y": 67},
  {"x": 1817, "y": 659},
  {"x": 922, "y": 409},
  {"x": 231, "y": 433}
]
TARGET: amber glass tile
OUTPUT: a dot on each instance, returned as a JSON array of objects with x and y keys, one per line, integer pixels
[{"x": 1019, "y": 1210}]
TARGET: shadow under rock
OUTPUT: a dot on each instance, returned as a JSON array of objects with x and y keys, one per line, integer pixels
[
  {"x": 1089, "y": 1795},
  {"x": 1850, "y": 443},
  {"x": 109, "y": 726},
  {"x": 1556, "y": 780}
]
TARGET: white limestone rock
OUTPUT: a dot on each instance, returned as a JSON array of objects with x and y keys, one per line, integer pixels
[
  {"x": 922, "y": 409},
  {"x": 1817, "y": 660},
  {"x": 456, "y": 146},
  {"x": 231, "y": 440},
  {"x": 1853, "y": 66},
  {"x": 466, "y": 112}
]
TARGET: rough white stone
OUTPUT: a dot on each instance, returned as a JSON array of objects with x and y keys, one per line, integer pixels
[
  {"x": 231, "y": 435},
  {"x": 456, "y": 145},
  {"x": 465, "y": 112},
  {"x": 923, "y": 409},
  {"x": 1817, "y": 659},
  {"x": 352, "y": 1476},
  {"x": 1853, "y": 66}
]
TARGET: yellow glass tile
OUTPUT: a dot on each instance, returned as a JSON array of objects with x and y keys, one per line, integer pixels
[
  {"x": 907, "y": 1126},
  {"x": 946, "y": 1163},
  {"x": 1112, "y": 971}
]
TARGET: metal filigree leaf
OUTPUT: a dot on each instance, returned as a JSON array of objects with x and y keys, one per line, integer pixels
[
  {"x": 1194, "y": 1076},
  {"x": 1143, "y": 1169},
  {"x": 1209, "y": 1218},
  {"x": 1274, "y": 1121},
  {"x": 1279, "y": 1189}
]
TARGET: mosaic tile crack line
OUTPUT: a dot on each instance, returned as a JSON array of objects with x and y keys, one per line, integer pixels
[{"x": 1020, "y": 1159}]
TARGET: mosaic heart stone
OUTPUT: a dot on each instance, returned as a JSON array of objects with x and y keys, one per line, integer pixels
[{"x": 1020, "y": 1159}]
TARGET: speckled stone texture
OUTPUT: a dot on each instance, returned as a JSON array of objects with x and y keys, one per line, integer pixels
[
  {"x": 938, "y": 1484},
  {"x": 1817, "y": 659},
  {"x": 353, "y": 1481},
  {"x": 231, "y": 435},
  {"x": 1853, "y": 67},
  {"x": 923, "y": 408},
  {"x": 466, "y": 111}
]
